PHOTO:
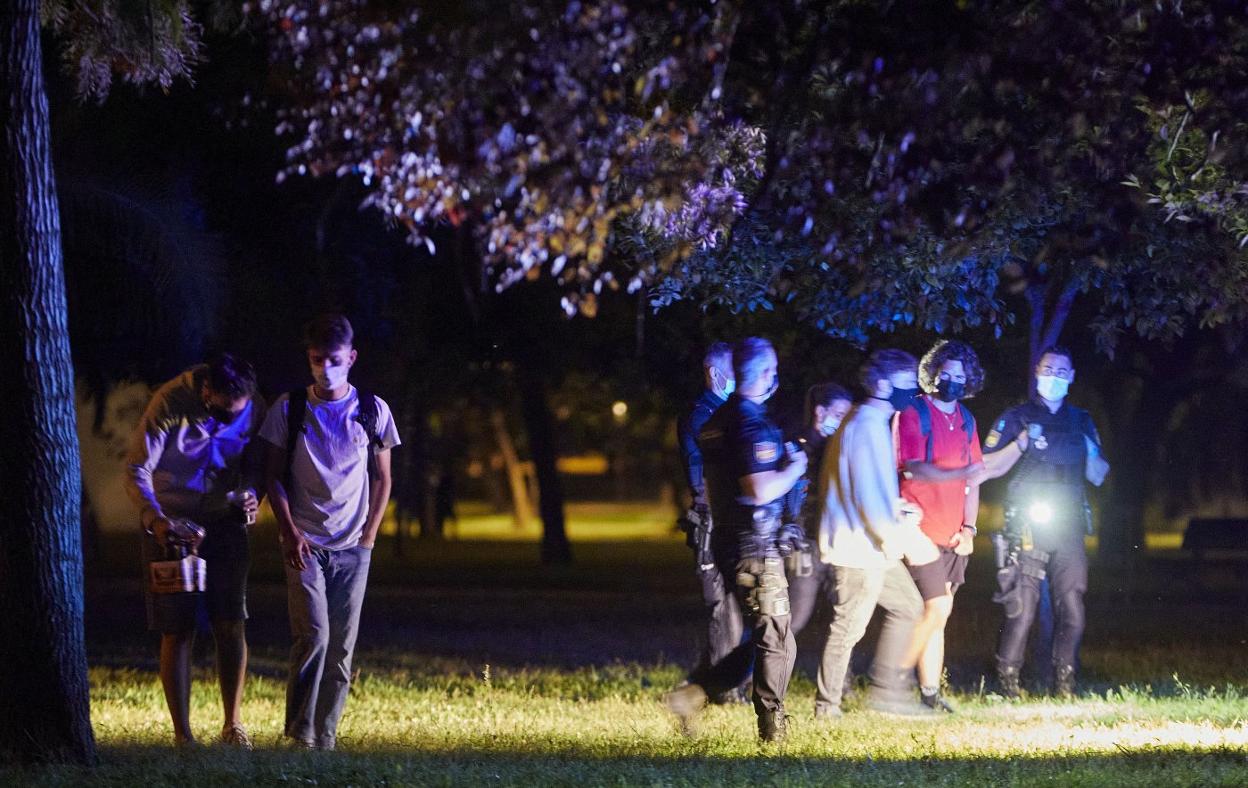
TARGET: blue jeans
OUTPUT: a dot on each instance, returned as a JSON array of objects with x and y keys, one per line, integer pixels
[{"x": 325, "y": 600}]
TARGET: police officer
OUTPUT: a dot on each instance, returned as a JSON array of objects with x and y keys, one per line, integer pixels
[
  {"x": 724, "y": 623},
  {"x": 748, "y": 473},
  {"x": 1051, "y": 447}
]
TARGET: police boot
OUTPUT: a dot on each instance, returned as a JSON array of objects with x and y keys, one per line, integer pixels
[
  {"x": 686, "y": 702},
  {"x": 1007, "y": 680},
  {"x": 1064, "y": 681},
  {"x": 773, "y": 724}
]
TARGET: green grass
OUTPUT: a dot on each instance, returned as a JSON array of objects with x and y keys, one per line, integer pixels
[
  {"x": 481, "y": 666},
  {"x": 449, "y": 723},
  {"x": 446, "y": 722}
]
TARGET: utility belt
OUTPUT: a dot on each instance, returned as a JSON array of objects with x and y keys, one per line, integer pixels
[
  {"x": 758, "y": 538},
  {"x": 765, "y": 586},
  {"x": 1045, "y": 515}
]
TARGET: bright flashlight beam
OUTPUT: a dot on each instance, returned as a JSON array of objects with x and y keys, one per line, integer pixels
[{"x": 1040, "y": 513}]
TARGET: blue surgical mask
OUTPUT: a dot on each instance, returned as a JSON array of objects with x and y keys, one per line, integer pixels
[{"x": 1051, "y": 387}]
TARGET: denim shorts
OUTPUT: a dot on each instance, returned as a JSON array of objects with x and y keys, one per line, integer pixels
[{"x": 226, "y": 551}]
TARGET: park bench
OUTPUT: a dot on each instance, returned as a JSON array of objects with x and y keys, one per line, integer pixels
[
  {"x": 1204, "y": 534},
  {"x": 1225, "y": 537}
]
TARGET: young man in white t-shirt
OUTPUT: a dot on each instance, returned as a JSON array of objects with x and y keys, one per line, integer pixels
[{"x": 329, "y": 496}]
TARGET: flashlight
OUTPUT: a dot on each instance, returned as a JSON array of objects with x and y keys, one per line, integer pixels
[{"x": 1040, "y": 513}]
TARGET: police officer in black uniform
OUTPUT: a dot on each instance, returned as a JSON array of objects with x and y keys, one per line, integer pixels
[
  {"x": 748, "y": 472},
  {"x": 1051, "y": 447},
  {"x": 724, "y": 623}
]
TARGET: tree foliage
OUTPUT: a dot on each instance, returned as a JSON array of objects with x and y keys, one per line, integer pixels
[{"x": 872, "y": 164}]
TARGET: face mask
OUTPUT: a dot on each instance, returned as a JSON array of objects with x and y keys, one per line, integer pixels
[
  {"x": 1051, "y": 387},
  {"x": 726, "y": 387},
  {"x": 330, "y": 378},
  {"x": 900, "y": 399},
  {"x": 829, "y": 426},
  {"x": 950, "y": 390}
]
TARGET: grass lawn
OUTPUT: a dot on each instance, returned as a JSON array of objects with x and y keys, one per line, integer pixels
[{"x": 479, "y": 666}]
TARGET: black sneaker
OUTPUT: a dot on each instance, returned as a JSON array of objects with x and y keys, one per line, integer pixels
[
  {"x": 773, "y": 725},
  {"x": 936, "y": 701}
]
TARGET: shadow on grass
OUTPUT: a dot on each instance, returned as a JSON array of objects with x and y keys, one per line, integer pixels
[{"x": 684, "y": 765}]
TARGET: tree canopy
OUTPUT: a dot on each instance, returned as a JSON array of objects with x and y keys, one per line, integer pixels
[{"x": 872, "y": 164}]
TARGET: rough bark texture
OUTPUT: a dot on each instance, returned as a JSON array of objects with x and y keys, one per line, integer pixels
[{"x": 44, "y": 705}]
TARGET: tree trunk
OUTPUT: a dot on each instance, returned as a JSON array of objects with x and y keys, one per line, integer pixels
[
  {"x": 43, "y": 683},
  {"x": 540, "y": 424},
  {"x": 1137, "y": 438},
  {"x": 520, "y": 507}
]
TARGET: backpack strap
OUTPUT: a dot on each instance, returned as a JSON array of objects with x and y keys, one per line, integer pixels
[
  {"x": 968, "y": 422},
  {"x": 296, "y": 412},
  {"x": 368, "y": 417},
  {"x": 925, "y": 426}
]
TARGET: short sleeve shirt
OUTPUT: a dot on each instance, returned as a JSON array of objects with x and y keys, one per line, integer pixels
[
  {"x": 943, "y": 503},
  {"x": 329, "y": 500},
  {"x": 1056, "y": 453},
  {"x": 738, "y": 441}
]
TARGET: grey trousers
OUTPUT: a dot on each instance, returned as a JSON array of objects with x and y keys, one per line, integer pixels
[
  {"x": 324, "y": 600},
  {"x": 858, "y": 592}
]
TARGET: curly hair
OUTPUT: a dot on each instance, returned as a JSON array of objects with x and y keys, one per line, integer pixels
[{"x": 947, "y": 350}]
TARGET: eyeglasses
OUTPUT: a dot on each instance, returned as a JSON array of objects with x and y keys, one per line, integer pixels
[{"x": 1061, "y": 372}]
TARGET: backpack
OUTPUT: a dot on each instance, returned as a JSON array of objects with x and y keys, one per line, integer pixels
[
  {"x": 296, "y": 412},
  {"x": 925, "y": 424}
]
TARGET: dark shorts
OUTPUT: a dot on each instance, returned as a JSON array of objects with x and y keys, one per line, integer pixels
[
  {"x": 931, "y": 578},
  {"x": 228, "y": 556}
]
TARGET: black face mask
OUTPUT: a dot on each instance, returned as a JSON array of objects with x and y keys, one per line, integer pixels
[
  {"x": 950, "y": 390},
  {"x": 900, "y": 399}
]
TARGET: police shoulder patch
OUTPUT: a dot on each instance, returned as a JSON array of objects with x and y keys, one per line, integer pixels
[
  {"x": 766, "y": 451},
  {"x": 993, "y": 439}
]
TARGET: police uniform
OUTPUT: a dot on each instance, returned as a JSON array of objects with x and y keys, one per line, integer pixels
[
  {"x": 1050, "y": 473},
  {"x": 739, "y": 441},
  {"x": 724, "y": 624}
]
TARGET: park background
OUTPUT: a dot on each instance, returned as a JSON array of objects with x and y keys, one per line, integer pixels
[{"x": 530, "y": 637}]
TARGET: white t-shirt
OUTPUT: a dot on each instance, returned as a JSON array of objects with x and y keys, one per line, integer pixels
[{"x": 329, "y": 499}]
